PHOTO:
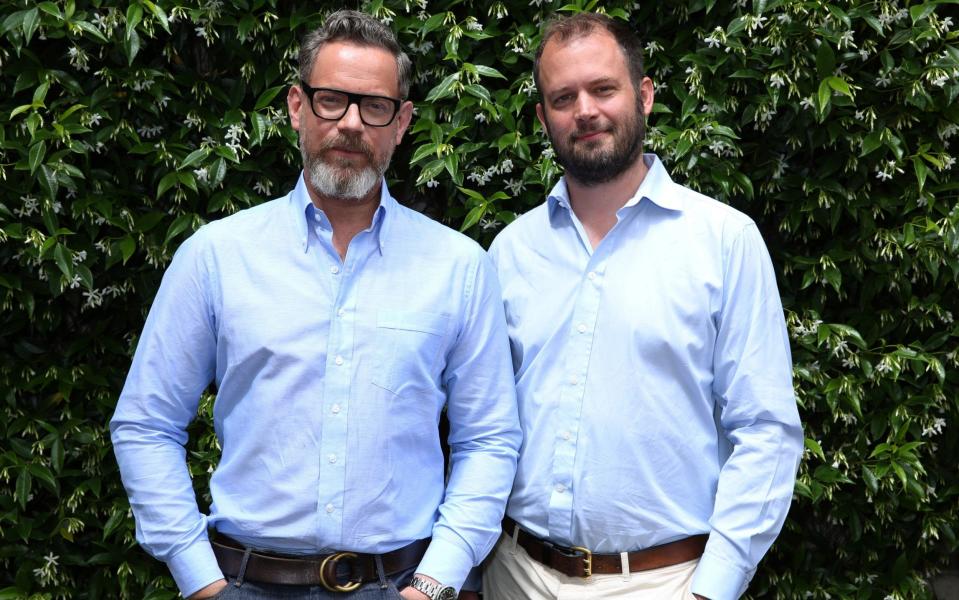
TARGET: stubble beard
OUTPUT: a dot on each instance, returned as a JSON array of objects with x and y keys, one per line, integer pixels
[
  {"x": 591, "y": 165},
  {"x": 339, "y": 178}
]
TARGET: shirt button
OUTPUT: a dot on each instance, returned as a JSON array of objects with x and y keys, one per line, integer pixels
[
  {"x": 560, "y": 488},
  {"x": 329, "y": 508},
  {"x": 567, "y": 435},
  {"x": 340, "y": 312},
  {"x": 574, "y": 380},
  {"x": 338, "y": 360},
  {"x": 581, "y": 328},
  {"x": 332, "y": 458},
  {"x": 335, "y": 409},
  {"x": 334, "y": 269},
  {"x": 591, "y": 275}
]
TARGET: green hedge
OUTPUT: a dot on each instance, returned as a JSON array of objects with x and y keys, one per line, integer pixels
[{"x": 127, "y": 125}]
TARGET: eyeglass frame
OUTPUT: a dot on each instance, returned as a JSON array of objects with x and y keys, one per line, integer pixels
[{"x": 351, "y": 99}]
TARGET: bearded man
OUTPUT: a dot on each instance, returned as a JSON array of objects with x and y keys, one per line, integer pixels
[
  {"x": 652, "y": 363},
  {"x": 336, "y": 324}
]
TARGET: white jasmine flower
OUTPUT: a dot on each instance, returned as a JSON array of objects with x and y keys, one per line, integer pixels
[{"x": 201, "y": 174}]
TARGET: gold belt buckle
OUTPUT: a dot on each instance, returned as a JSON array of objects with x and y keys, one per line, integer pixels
[
  {"x": 587, "y": 558},
  {"x": 328, "y": 566}
]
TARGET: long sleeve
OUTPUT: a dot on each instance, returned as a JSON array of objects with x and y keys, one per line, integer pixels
[
  {"x": 753, "y": 388},
  {"x": 484, "y": 436},
  {"x": 173, "y": 364}
]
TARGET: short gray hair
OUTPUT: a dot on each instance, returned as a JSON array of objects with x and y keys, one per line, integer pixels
[{"x": 356, "y": 28}]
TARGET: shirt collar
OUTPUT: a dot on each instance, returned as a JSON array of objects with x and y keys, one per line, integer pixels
[
  {"x": 655, "y": 187},
  {"x": 304, "y": 212}
]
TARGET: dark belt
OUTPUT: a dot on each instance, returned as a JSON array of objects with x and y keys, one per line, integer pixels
[
  {"x": 577, "y": 561},
  {"x": 313, "y": 570}
]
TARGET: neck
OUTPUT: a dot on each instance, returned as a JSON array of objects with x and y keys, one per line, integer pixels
[
  {"x": 596, "y": 205},
  {"x": 348, "y": 216}
]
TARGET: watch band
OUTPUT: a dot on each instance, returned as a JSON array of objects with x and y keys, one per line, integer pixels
[{"x": 435, "y": 591}]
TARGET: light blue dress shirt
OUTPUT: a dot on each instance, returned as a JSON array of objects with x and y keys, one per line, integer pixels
[
  {"x": 653, "y": 378},
  {"x": 331, "y": 376}
]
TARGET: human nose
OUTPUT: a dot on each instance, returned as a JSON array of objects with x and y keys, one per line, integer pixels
[
  {"x": 585, "y": 108},
  {"x": 351, "y": 120}
]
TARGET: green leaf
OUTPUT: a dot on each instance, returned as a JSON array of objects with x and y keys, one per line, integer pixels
[
  {"x": 178, "y": 226},
  {"x": 444, "y": 89},
  {"x": 127, "y": 247},
  {"x": 814, "y": 447},
  {"x": 24, "y": 482},
  {"x": 159, "y": 13},
  {"x": 825, "y": 92},
  {"x": 92, "y": 30},
  {"x": 37, "y": 153},
  {"x": 63, "y": 259},
  {"x": 49, "y": 182},
  {"x": 921, "y": 171},
  {"x": 131, "y": 45},
  {"x": 168, "y": 181},
  {"x": 870, "y": 478},
  {"x": 921, "y": 11},
  {"x": 50, "y": 8},
  {"x": 134, "y": 16},
  {"x": 871, "y": 142},
  {"x": 259, "y": 125},
  {"x": 488, "y": 71},
  {"x": 267, "y": 97},
  {"x": 117, "y": 517},
  {"x": 13, "y": 21},
  {"x": 478, "y": 91},
  {"x": 839, "y": 85},
  {"x": 31, "y": 20},
  {"x": 44, "y": 475},
  {"x": 473, "y": 216},
  {"x": 193, "y": 158}
]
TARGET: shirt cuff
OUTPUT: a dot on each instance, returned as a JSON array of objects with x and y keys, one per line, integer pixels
[
  {"x": 195, "y": 567},
  {"x": 446, "y": 562},
  {"x": 716, "y": 579}
]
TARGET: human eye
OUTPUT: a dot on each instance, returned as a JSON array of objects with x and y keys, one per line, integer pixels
[
  {"x": 377, "y": 105},
  {"x": 329, "y": 99},
  {"x": 562, "y": 100}
]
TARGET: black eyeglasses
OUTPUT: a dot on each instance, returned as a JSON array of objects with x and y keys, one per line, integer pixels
[{"x": 331, "y": 105}]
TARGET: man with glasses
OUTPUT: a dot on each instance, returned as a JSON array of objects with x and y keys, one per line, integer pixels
[{"x": 336, "y": 325}]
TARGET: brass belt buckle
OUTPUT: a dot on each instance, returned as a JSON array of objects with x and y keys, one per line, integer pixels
[
  {"x": 328, "y": 568},
  {"x": 587, "y": 558}
]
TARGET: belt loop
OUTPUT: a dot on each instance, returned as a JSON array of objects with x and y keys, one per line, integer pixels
[
  {"x": 624, "y": 564},
  {"x": 515, "y": 538},
  {"x": 246, "y": 558},
  {"x": 380, "y": 571}
]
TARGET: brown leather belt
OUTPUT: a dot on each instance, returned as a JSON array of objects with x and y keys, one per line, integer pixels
[
  {"x": 577, "y": 561},
  {"x": 355, "y": 568}
]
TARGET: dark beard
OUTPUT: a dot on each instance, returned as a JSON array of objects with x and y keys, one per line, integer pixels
[{"x": 591, "y": 168}]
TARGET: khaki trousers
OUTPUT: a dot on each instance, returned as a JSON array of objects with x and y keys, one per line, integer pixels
[{"x": 510, "y": 574}]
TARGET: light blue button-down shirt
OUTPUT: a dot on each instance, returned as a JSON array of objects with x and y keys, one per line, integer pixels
[
  {"x": 331, "y": 376},
  {"x": 640, "y": 366}
]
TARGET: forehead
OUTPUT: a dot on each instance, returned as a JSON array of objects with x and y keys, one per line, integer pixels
[
  {"x": 573, "y": 62},
  {"x": 354, "y": 68}
]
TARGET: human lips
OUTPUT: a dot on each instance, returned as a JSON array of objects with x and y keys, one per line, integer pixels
[{"x": 589, "y": 136}]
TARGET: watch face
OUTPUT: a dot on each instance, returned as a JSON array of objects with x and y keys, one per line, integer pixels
[{"x": 447, "y": 593}]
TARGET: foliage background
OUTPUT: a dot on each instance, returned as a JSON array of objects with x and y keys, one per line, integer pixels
[{"x": 127, "y": 125}]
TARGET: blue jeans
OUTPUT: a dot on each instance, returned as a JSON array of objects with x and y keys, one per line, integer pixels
[{"x": 251, "y": 590}]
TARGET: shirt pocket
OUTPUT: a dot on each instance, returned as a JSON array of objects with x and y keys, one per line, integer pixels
[{"x": 408, "y": 347}]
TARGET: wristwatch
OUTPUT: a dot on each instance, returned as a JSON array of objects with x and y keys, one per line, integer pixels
[{"x": 436, "y": 591}]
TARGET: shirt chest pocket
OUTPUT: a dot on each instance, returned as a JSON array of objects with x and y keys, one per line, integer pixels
[{"x": 408, "y": 349}]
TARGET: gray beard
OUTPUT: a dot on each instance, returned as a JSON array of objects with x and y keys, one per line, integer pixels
[{"x": 340, "y": 182}]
